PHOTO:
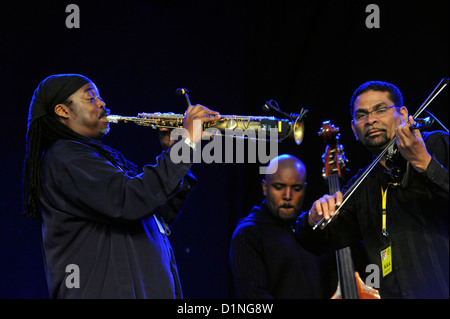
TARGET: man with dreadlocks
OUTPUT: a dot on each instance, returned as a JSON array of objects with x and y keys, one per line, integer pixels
[{"x": 98, "y": 213}]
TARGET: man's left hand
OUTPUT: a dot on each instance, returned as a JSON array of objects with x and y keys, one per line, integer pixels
[{"x": 411, "y": 145}]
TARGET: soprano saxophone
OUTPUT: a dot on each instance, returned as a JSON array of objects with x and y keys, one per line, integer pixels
[{"x": 293, "y": 128}]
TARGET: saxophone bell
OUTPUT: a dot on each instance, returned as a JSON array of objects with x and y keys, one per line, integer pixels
[
  {"x": 298, "y": 130},
  {"x": 298, "y": 127}
]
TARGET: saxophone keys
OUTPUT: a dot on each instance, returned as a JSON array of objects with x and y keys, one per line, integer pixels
[{"x": 231, "y": 124}]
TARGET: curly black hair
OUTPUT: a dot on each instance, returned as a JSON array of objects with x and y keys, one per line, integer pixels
[{"x": 394, "y": 93}]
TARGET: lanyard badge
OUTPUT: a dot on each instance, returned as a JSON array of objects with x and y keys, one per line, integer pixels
[{"x": 385, "y": 251}]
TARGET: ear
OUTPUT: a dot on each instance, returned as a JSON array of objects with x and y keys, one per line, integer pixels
[
  {"x": 404, "y": 114},
  {"x": 354, "y": 131},
  {"x": 264, "y": 187},
  {"x": 62, "y": 111}
]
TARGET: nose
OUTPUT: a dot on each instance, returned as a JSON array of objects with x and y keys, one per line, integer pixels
[
  {"x": 100, "y": 103},
  {"x": 287, "y": 194},
  {"x": 371, "y": 118},
  {"x": 102, "y": 106}
]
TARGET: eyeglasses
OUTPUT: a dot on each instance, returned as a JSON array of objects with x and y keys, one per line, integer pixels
[{"x": 361, "y": 116}]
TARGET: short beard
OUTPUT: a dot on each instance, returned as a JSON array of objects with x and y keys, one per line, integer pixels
[
  {"x": 376, "y": 145},
  {"x": 287, "y": 220},
  {"x": 105, "y": 131}
]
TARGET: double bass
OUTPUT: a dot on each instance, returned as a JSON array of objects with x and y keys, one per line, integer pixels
[{"x": 350, "y": 284}]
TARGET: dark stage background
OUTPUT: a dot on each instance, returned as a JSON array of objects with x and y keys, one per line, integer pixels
[{"x": 233, "y": 56}]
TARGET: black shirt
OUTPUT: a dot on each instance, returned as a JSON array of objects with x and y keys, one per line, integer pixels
[
  {"x": 417, "y": 226},
  {"x": 267, "y": 260},
  {"x": 109, "y": 224}
]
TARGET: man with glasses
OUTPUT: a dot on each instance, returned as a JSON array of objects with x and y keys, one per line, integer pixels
[
  {"x": 402, "y": 218},
  {"x": 104, "y": 222}
]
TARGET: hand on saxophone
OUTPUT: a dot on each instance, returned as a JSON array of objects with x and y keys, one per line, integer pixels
[
  {"x": 194, "y": 118},
  {"x": 164, "y": 138}
]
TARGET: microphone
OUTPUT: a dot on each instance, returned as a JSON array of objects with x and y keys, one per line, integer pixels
[
  {"x": 183, "y": 91},
  {"x": 272, "y": 104},
  {"x": 268, "y": 106}
]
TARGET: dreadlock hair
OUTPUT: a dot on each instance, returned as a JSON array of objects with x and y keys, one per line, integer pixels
[{"x": 42, "y": 133}]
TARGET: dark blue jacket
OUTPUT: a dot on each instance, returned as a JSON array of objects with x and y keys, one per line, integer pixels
[{"x": 105, "y": 221}]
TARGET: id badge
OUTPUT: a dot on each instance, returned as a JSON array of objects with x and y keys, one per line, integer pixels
[{"x": 386, "y": 260}]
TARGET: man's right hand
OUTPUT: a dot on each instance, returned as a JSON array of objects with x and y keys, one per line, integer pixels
[
  {"x": 198, "y": 113},
  {"x": 324, "y": 207}
]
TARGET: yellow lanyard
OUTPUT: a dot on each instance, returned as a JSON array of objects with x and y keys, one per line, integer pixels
[
  {"x": 383, "y": 212},
  {"x": 386, "y": 253}
]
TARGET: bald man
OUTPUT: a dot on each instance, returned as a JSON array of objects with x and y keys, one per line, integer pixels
[{"x": 266, "y": 259}]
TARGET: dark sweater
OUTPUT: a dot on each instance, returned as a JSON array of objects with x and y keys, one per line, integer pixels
[
  {"x": 268, "y": 262},
  {"x": 104, "y": 220}
]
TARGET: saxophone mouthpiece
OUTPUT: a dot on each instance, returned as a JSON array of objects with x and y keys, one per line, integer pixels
[{"x": 113, "y": 118}]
